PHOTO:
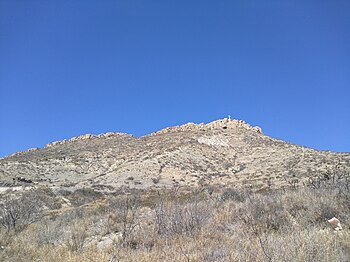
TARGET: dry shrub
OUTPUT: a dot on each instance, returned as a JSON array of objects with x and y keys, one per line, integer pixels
[
  {"x": 81, "y": 196},
  {"x": 77, "y": 235},
  {"x": 24, "y": 248},
  {"x": 50, "y": 232},
  {"x": 124, "y": 215},
  {"x": 285, "y": 225},
  {"x": 310, "y": 207},
  {"x": 17, "y": 212},
  {"x": 175, "y": 218},
  {"x": 46, "y": 197},
  {"x": 216, "y": 255},
  {"x": 234, "y": 195},
  {"x": 312, "y": 244},
  {"x": 265, "y": 213}
]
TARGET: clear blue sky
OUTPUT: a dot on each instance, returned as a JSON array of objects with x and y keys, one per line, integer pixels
[{"x": 74, "y": 67}]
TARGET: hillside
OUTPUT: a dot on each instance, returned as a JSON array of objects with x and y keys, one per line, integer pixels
[
  {"x": 224, "y": 152},
  {"x": 197, "y": 192}
]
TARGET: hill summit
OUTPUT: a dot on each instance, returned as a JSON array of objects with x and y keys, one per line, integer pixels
[{"x": 225, "y": 123}]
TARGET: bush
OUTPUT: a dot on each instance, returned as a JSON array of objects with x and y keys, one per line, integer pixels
[
  {"x": 18, "y": 212},
  {"x": 82, "y": 196},
  {"x": 78, "y": 234},
  {"x": 187, "y": 225},
  {"x": 124, "y": 212},
  {"x": 175, "y": 218},
  {"x": 265, "y": 213},
  {"x": 234, "y": 194}
]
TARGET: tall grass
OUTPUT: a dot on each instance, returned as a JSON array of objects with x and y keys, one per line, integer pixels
[{"x": 185, "y": 225}]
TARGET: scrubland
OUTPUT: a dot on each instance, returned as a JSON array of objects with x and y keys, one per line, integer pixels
[{"x": 208, "y": 223}]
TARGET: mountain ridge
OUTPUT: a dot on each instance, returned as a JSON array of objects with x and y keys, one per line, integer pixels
[
  {"x": 223, "y": 152},
  {"x": 221, "y": 123}
]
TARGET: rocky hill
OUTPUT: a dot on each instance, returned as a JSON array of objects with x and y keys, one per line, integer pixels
[{"x": 223, "y": 152}]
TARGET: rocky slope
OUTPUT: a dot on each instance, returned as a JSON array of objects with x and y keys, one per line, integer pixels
[{"x": 224, "y": 152}]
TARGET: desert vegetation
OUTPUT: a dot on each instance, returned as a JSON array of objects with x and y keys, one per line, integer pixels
[{"x": 180, "y": 224}]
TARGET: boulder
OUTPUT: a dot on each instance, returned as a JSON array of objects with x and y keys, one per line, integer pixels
[{"x": 335, "y": 223}]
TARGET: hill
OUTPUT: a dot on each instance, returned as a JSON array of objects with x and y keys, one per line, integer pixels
[
  {"x": 224, "y": 152},
  {"x": 221, "y": 191}
]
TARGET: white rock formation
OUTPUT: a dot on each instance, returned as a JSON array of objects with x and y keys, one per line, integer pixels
[{"x": 213, "y": 141}]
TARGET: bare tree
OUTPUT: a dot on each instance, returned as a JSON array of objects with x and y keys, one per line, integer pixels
[
  {"x": 18, "y": 212},
  {"x": 251, "y": 223},
  {"x": 126, "y": 212}
]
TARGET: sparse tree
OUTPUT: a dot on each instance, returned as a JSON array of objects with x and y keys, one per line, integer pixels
[
  {"x": 18, "y": 212},
  {"x": 125, "y": 210}
]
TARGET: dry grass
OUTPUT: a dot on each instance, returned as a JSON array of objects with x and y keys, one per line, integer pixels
[{"x": 205, "y": 225}]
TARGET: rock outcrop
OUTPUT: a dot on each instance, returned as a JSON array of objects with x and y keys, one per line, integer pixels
[
  {"x": 224, "y": 123},
  {"x": 86, "y": 137}
]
